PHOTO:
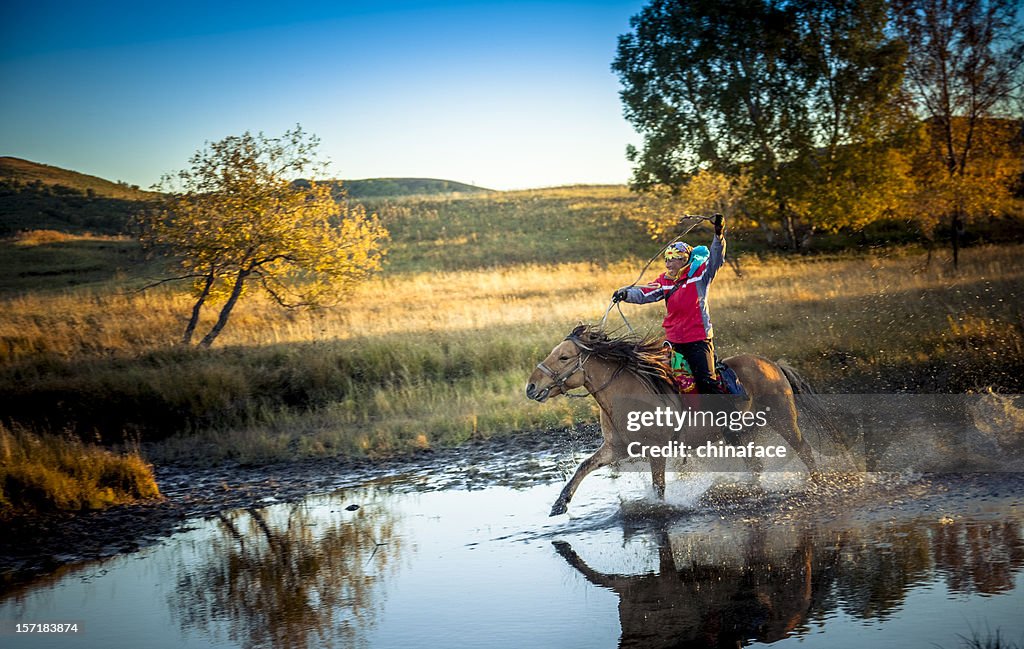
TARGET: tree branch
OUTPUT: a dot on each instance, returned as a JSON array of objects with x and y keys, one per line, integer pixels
[{"x": 169, "y": 279}]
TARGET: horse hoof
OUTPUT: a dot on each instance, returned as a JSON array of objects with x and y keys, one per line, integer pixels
[{"x": 558, "y": 508}]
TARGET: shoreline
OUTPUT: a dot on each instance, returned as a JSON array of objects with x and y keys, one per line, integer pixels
[{"x": 34, "y": 546}]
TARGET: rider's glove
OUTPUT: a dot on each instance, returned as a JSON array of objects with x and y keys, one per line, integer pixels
[
  {"x": 620, "y": 295},
  {"x": 719, "y": 222}
]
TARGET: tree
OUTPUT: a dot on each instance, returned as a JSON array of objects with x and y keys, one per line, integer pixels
[
  {"x": 705, "y": 193},
  {"x": 964, "y": 69},
  {"x": 243, "y": 214},
  {"x": 798, "y": 95}
]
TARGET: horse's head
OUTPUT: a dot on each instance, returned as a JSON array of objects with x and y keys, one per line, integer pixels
[{"x": 560, "y": 372}]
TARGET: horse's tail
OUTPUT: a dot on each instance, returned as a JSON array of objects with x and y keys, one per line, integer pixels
[
  {"x": 811, "y": 404},
  {"x": 799, "y": 384}
]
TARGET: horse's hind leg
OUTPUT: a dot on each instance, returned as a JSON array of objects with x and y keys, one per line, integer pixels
[
  {"x": 786, "y": 425},
  {"x": 603, "y": 456}
]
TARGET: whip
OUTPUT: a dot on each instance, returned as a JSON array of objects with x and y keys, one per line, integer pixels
[{"x": 697, "y": 219}]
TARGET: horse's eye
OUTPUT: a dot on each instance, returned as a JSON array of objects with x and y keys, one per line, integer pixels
[{"x": 563, "y": 358}]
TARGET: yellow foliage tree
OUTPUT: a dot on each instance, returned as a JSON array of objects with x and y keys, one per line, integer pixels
[
  {"x": 964, "y": 72},
  {"x": 249, "y": 212},
  {"x": 962, "y": 191},
  {"x": 707, "y": 192}
]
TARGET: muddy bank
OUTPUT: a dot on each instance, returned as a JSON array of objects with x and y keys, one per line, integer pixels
[{"x": 37, "y": 545}]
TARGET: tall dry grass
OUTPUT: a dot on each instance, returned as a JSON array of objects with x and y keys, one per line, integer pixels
[
  {"x": 45, "y": 473},
  {"x": 417, "y": 359}
]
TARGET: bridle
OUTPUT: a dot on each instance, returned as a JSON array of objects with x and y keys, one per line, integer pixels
[{"x": 560, "y": 378}]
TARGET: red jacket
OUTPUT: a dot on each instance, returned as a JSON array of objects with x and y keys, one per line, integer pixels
[{"x": 688, "y": 318}]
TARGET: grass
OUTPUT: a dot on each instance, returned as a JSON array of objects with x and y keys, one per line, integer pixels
[
  {"x": 443, "y": 357},
  {"x": 45, "y": 473},
  {"x": 553, "y": 226},
  {"x": 989, "y": 640},
  {"x": 49, "y": 261},
  {"x": 436, "y": 350}
]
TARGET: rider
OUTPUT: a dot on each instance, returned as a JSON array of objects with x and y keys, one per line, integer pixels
[{"x": 684, "y": 286}]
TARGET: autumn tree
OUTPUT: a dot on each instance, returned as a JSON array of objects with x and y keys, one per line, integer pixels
[
  {"x": 707, "y": 192},
  {"x": 798, "y": 96},
  {"x": 964, "y": 72},
  {"x": 248, "y": 213}
]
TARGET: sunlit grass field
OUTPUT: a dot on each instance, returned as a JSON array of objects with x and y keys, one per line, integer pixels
[{"x": 436, "y": 350}]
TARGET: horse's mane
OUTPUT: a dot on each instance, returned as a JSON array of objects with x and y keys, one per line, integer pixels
[{"x": 644, "y": 356}]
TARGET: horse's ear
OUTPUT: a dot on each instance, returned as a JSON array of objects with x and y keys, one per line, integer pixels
[{"x": 578, "y": 331}]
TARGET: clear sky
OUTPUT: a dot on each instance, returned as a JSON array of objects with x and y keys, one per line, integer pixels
[{"x": 501, "y": 94}]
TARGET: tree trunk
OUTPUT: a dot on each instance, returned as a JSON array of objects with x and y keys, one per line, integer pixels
[
  {"x": 186, "y": 339},
  {"x": 955, "y": 238},
  {"x": 805, "y": 241},
  {"x": 789, "y": 226},
  {"x": 225, "y": 312}
]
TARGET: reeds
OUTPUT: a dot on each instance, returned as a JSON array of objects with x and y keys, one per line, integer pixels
[{"x": 45, "y": 473}]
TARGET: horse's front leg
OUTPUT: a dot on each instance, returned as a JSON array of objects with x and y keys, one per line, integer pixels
[
  {"x": 658, "y": 476},
  {"x": 602, "y": 457}
]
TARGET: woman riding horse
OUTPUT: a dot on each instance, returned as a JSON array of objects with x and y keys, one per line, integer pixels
[
  {"x": 684, "y": 288},
  {"x": 621, "y": 372}
]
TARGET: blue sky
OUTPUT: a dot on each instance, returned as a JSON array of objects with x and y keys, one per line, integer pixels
[{"x": 503, "y": 95}]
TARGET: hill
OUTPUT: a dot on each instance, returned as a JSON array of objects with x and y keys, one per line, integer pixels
[
  {"x": 25, "y": 172},
  {"x": 394, "y": 187},
  {"x": 36, "y": 196}
]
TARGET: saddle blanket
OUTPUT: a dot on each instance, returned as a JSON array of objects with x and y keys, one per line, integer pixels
[{"x": 727, "y": 379}]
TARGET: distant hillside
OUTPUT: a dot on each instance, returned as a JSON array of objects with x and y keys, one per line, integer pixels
[
  {"x": 387, "y": 187},
  {"x": 36, "y": 196},
  {"x": 26, "y": 172}
]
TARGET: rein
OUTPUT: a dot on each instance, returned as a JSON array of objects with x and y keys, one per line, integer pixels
[{"x": 697, "y": 219}]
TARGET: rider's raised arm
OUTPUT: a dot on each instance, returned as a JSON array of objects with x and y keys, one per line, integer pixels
[{"x": 715, "y": 259}]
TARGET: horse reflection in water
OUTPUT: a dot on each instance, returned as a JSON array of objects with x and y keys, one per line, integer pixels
[
  {"x": 772, "y": 580},
  {"x": 712, "y": 605}
]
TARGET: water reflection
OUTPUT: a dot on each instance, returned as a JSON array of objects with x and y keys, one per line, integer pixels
[
  {"x": 715, "y": 589},
  {"x": 290, "y": 576},
  {"x": 982, "y": 558}
]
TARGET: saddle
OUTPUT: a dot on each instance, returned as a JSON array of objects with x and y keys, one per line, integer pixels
[{"x": 728, "y": 382}]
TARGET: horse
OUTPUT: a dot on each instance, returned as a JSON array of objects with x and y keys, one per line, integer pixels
[
  {"x": 613, "y": 369},
  {"x": 753, "y": 592}
]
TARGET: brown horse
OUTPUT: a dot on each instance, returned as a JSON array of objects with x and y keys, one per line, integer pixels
[{"x": 613, "y": 370}]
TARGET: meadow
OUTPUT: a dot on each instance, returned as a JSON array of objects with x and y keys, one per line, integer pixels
[{"x": 436, "y": 350}]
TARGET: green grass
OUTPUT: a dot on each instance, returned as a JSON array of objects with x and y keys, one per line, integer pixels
[
  {"x": 50, "y": 261},
  {"x": 566, "y": 225}
]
